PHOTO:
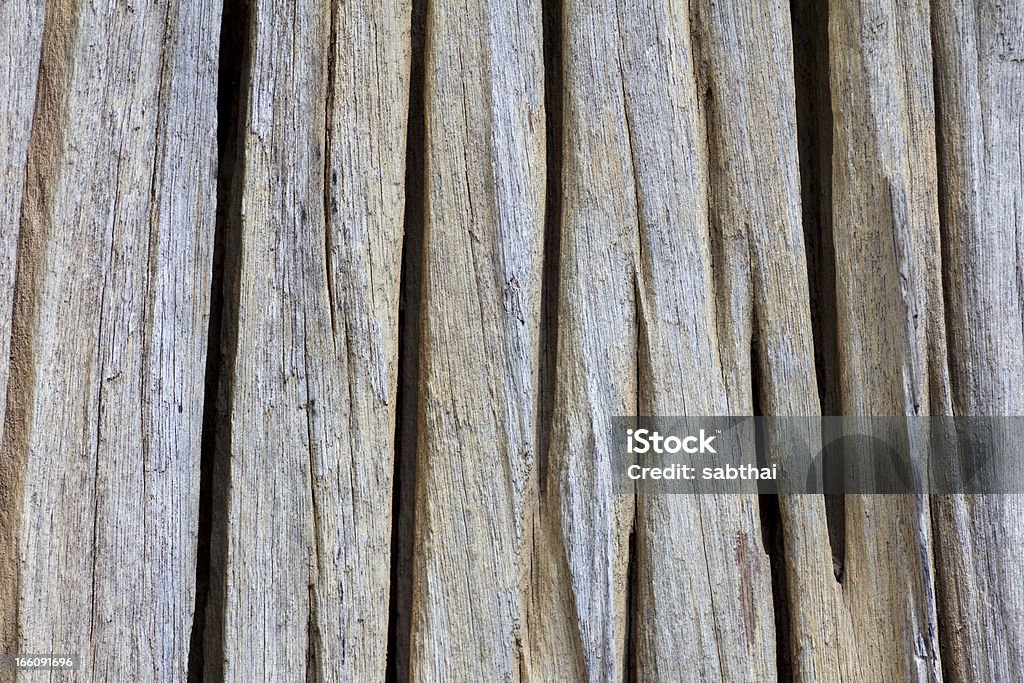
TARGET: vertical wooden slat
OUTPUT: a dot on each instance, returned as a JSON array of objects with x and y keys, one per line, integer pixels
[
  {"x": 311, "y": 396},
  {"x": 890, "y": 317},
  {"x": 110, "y": 320},
  {"x": 366, "y": 125},
  {"x": 484, "y": 222},
  {"x": 177, "y": 280},
  {"x": 764, "y": 321},
  {"x": 583, "y": 527},
  {"x": 21, "y": 29},
  {"x": 706, "y": 547},
  {"x": 820, "y": 635},
  {"x": 283, "y": 350},
  {"x": 979, "y": 48}
]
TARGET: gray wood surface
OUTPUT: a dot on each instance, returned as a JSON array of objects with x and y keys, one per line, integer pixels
[
  {"x": 315, "y": 316},
  {"x": 979, "y": 48},
  {"x": 890, "y": 323},
  {"x": 482, "y": 248},
  {"x": 310, "y": 386},
  {"x": 115, "y": 233}
]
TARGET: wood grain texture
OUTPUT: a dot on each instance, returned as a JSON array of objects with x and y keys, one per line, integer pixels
[
  {"x": 483, "y": 236},
  {"x": 282, "y": 338},
  {"x": 21, "y": 29},
  {"x": 694, "y": 359},
  {"x": 979, "y": 55},
  {"x": 582, "y": 530},
  {"x": 764, "y": 312},
  {"x": 313, "y": 351},
  {"x": 111, "y": 306},
  {"x": 445, "y": 243},
  {"x": 891, "y": 325},
  {"x": 366, "y": 203}
]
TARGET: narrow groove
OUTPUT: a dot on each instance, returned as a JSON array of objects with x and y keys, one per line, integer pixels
[
  {"x": 205, "y": 660},
  {"x": 630, "y": 664},
  {"x": 550, "y": 274},
  {"x": 772, "y": 537},
  {"x": 329, "y": 183},
  {"x": 330, "y": 176},
  {"x": 643, "y": 360},
  {"x": 313, "y": 637},
  {"x": 948, "y": 276},
  {"x": 770, "y": 513},
  {"x": 99, "y": 431},
  {"x": 547, "y": 338},
  {"x": 403, "y": 511},
  {"x": 814, "y": 139},
  {"x": 944, "y": 506}
]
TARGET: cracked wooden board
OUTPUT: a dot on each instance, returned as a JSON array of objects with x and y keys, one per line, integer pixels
[
  {"x": 482, "y": 246},
  {"x": 979, "y": 81},
  {"x": 458, "y": 239},
  {"x": 309, "y": 393},
  {"x": 890, "y": 325},
  {"x": 115, "y": 238}
]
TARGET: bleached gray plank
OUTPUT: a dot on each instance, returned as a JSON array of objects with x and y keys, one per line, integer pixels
[
  {"x": 310, "y": 384},
  {"x": 764, "y": 327},
  {"x": 111, "y": 309},
  {"x": 690, "y": 315},
  {"x": 582, "y": 532},
  {"x": 484, "y": 223},
  {"x": 891, "y": 327},
  {"x": 979, "y": 48}
]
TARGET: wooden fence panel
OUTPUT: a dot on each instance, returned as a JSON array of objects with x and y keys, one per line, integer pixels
[{"x": 316, "y": 316}]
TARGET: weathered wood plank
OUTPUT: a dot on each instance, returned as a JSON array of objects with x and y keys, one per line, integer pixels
[
  {"x": 483, "y": 235},
  {"x": 366, "y": 203},
  {"x": 280, "y": 351},
  {"x": 889, "y": 309},
  {"x": 706, "y": 548},
  {"x": 764, "y": 313},
  {"x": 979, "y": 54},
  {"x": 21, "y": 29},
  {"x": 583, "y": 528},
  {"x": 313, "y": 344},
  {"x": 110, "y": 321}
]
